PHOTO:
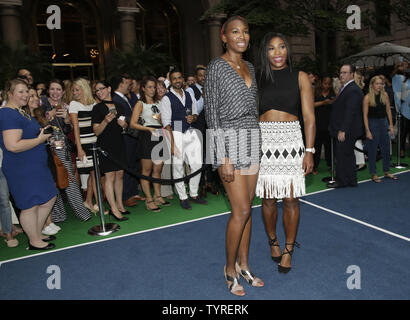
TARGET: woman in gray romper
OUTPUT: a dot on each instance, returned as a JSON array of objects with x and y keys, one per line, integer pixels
[{"x": 230, "y": 93}]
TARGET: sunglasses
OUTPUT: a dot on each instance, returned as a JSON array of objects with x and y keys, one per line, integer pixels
[{"x": 155, "y": 109}]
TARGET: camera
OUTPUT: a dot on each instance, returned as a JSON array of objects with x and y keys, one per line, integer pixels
[{"x": 48, "y": 130}]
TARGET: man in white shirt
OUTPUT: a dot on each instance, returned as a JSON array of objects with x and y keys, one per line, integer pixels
[{"x": 178, "y": 112}]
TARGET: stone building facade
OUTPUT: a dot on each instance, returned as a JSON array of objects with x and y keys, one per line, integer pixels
[{"x": 92, "y": 28}]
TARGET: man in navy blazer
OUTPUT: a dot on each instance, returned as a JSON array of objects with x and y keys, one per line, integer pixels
[
  {"x": 121, "y": 87},
  {"x": 346, "y": 126}
]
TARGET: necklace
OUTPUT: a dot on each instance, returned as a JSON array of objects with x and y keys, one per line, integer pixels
[
  {"x": 22, "y": 112},
  {"x": 236, "y": 65}
]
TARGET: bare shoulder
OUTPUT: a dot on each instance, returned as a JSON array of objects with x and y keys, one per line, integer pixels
[{"x": 304, "y": 81}]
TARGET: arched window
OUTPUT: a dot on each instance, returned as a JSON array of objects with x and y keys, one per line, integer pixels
[
  {"x": 76, "y": 41},
  {"x": 159, "y": 23}
]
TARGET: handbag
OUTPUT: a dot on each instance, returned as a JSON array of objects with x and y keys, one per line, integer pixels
[
  {"x": 61, "y": 171},
  {"x": 84, "y": 163},
  {"x": 134, "y": 132}
]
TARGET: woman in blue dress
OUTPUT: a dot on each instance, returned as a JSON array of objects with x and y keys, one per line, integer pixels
[{"x": 25, "y": 165}]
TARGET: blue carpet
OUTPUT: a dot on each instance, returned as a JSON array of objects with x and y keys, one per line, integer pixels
[{"x": 185, "y": 262}]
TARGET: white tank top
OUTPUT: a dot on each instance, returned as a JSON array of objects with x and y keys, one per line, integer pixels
[{"x": 148, "y": 110}]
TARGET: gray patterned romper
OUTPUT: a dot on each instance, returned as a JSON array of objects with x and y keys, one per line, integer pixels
[{"x": 232, "y": 116}]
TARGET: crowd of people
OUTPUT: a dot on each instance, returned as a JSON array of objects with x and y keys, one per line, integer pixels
[
  {"x": 262, "y": 131},
  {"x": 365, "y": 114},
  {"x": 51, "y": 129}
]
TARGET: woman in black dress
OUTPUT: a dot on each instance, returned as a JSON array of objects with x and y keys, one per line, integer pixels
[{"x": 108, "y": 123}]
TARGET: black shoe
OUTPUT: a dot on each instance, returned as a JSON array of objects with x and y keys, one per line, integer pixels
[
  {"x": 185, "y": 204},
  {"x": 116, "y": 218},
  {"x": 47, "y": 247},
  {"x": 198, "y": 200},
  {"x": 125, "y": 212},
  {"x": 287, "y": 269},
  {"x": 272, "y": 243},
  {"x": 50, "y": 238},
  {"x": 334, "y": 185}
]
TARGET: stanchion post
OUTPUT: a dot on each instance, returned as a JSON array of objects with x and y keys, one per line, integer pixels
[
  {"x": 105, "y": 228},
  {"x": 399, "y": 165}
]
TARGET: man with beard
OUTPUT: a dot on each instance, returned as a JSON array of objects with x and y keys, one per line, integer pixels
[{"x": 178, "y": 112}]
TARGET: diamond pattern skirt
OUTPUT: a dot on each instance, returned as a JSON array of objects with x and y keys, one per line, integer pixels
[{"x": 281, "y": 164}]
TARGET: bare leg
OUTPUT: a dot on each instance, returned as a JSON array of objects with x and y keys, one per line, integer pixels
[
  {"x": 29, "y": 222},
  {"x": 147, "y": 166},
  {"x": 156, "y": 173},
  {"x": 240, "y": 191},
  {"x": 291, "y": 213},
  {"x": 118, "y": 187},
  {"x": 89, "y": 196},
  {"x": 243, "y": 251},
  {"x": 270, "y": 216},
  {"x": 94, "y": 187},
  {"x": 109, "y": 189},
  {"x": 44, "y": 211}
]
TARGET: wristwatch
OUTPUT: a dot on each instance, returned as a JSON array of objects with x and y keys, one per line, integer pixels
[{"x": 312, "y": 150}]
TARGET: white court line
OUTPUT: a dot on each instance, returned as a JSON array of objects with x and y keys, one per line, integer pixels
[
  {"x": 356, "y": 220},
  {"x": 114, "y": 238},
  {"x": 172, "y": 225}
]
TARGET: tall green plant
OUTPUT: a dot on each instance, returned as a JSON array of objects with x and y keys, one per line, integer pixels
[
  {"x": 18, "y": 56},
  {"x": 138, "y": 62}
]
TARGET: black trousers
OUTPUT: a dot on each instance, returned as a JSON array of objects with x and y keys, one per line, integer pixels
[
  {"x": 345, "y": 161},
  {"x": 322, "y": 138}
]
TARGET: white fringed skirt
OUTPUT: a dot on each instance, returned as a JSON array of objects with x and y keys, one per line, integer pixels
[{"x": 281, "y": 164}]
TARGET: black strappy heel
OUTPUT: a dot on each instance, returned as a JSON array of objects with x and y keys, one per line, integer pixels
[
  {"x": 282, "y": 269},
  {"x": 272, "y": 243}
]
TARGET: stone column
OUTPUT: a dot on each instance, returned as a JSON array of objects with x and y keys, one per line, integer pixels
[
  {"x": 215, "y": 42},
  {"x": 10, "y": 21},
  {"x": 128, "y": 29}
]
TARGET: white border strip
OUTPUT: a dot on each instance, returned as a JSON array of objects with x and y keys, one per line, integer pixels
[
  {"x": 356, "y": 220},
  {"x": 194, "y": 220},
  {"x": 114, "y": 238}
]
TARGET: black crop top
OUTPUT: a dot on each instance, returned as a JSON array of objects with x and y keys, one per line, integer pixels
[{"x": 283, "y": 94}]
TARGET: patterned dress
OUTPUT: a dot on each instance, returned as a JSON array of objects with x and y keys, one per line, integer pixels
[
  {"x": 232, "y": 116},
  {"x": 87, "y": 136}
]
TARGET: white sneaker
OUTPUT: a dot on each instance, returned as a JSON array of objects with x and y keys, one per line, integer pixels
[
  {"x": 48, "y": 231},
  {"x": 54, "y": 226}
]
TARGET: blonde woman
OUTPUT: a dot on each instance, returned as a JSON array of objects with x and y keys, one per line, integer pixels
[
  {"x": 359, "y": 80},
  {"x": 376, "y": 107},
  {"x": 80, "y": 110}
]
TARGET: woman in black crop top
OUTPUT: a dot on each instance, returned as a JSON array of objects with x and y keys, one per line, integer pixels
[
  {"x": 285, "y": 161},
  {"x": 376, "y": 107}
]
